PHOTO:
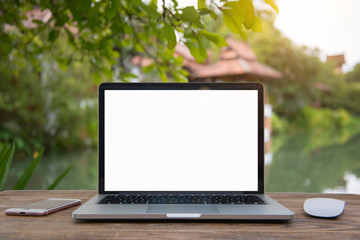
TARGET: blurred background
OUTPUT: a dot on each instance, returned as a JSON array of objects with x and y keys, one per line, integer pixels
[{"x": 307, "y": 56}]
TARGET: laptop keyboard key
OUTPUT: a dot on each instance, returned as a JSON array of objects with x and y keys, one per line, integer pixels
[{"x": 182, "y": 199}]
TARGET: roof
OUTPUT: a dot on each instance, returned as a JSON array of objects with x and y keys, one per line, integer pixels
[
  {"x": 237, "y": 49},
  {"x": 339, "y": 59},
  {"x": 36, "y": 14},
  {"x": 237, "y": 60}
]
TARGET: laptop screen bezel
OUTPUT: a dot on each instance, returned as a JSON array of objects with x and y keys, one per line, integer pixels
[{"x": 180, "y": 86}]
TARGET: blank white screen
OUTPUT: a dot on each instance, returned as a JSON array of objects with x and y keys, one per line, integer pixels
[{"x": 181, "y": 140}]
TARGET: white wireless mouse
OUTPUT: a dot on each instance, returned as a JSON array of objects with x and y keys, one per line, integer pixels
[{"x": 324, "y": 207}]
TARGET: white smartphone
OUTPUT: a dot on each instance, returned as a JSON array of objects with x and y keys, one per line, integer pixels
[{"x": 43, "y": 207}]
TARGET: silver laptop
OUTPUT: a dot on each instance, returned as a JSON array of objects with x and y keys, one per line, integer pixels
[{"x": 181, "y": 151}]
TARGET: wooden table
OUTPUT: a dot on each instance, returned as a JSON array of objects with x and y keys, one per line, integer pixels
[{"x": 60, "y": 225}]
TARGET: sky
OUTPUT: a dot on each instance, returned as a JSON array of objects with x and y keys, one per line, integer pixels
[{"x": 333, "y": 26}]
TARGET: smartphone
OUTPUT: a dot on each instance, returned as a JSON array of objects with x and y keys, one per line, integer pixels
[{"x": 43, "y": 207}]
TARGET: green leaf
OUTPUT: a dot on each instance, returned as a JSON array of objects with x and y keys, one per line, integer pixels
[
  {"x": 178, "y": 60},
  {"x": 129, "y": 75},
  {"x": 202, "y": 49},
  {"x": 163, "y": 75},
  {"x": 83, "y": 5},
  {"x": 201, "y": 4},
  {"x": 6, "y": 157},
  {"x": 62, "y": 63},
  {"x": 169, "y": 35},
  {"x": 149, "y": 68},
  {"x": 246, "y": 9},
  {"x": 107, "y": 72},
  {"x": 59, "y": 178},
  {"x": 61, "y": 18},
  {"x": 204, "y": 11},
  {"x": 152, "y": 11},
  {"x": 257, "y": 27},
  {"x": 53, "y": 34},
  {"x": 214, "y": 37},
  {"x": 179, "y": 77},
  {"x": 6, "y": 47},
  {"x": 175, "y": 3},
  {"x": 233, "y": 6},
  {"x": 189, "y": 14},
  {"x": 213, "y": 15},
  {"x": 138, "y": 47},
  {"x": 194, "y": 50},
  {"x": 272, "y": 4},
  {"x": 198, "y": 24},
  {"x": 153, "y": 3},
  {"x": 24, "y": 179},
  {"x": 97, "y": 77},
  {"x": 234, "y": 23},
  {"x": 37, "y": 21}
]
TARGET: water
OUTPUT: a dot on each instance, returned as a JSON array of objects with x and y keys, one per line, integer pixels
[
  {"x": 300, "y": 163},
  {"x": 311, "y": 163}
]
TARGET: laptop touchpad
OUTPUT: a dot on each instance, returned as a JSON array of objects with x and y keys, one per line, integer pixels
[{"x": 182, "y": 209}]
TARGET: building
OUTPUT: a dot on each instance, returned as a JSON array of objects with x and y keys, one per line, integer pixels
[{"x": 338, "y": 61}]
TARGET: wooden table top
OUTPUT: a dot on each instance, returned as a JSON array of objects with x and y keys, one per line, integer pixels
[{"x": 60, "y": 225}]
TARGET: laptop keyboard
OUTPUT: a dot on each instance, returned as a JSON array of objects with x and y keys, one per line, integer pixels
[{"x": 182, "y": 199}]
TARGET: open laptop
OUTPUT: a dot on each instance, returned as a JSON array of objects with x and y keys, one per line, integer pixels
[{"x": 181, "y": 151}]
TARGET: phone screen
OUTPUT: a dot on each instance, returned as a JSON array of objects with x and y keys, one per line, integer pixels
[{"x": 48, "y": 204}]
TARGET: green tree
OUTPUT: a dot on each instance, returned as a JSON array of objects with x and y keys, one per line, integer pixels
[
  {"x": 49, "y": 107},
  {"x": 48, "y": 65},
  {"x": 108, "y": 32},
  {"x": 354, "y": 75}
]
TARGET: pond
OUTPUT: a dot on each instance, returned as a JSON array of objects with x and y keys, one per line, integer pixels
[
  {"x": 299, "y": 163},
  {"x": 309, "y": 163}
]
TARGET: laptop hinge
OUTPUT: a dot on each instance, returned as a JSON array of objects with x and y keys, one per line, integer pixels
[{"x": 182, "y": 193}]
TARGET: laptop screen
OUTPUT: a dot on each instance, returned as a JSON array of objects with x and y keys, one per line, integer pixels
[{"x": 181, "y": 140}]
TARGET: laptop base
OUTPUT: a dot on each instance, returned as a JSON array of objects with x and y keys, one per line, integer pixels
[{"x": 272, "y": 211}]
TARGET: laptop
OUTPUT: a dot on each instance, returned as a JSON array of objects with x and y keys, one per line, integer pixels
[{"x": 181, "y": 151}]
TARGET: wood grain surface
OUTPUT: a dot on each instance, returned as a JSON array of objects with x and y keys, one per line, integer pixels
[{"x": 60, "y": 225}]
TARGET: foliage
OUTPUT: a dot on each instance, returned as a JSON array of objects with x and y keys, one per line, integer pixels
[
  {"x": 110, "y": 32},
  {"x": 6, "y": 157},
  {"x": 278, "y": 125},
  {"x": 20, "y": 185},
  {"x": 47, "y": 106},
  {"x": 323, "y": 127},
  {"x": 334, "y": 126},
  {"x": 354, "y": 75},
  {"x": 47, "y": 96},
  {"x": 343, "y": 95},
  {"x": 325, "y": 119},
  {"x": 59, "y": 179}
]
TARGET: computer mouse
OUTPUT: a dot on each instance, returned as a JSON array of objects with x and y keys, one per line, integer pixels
[{"x": 324, "y": 207}]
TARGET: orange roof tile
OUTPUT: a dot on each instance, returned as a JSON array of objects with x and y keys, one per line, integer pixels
[
  {"x": 236, "y": 67},
  {"x": 237, "y": 49},
  {"x": 236, "y": 60}
]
